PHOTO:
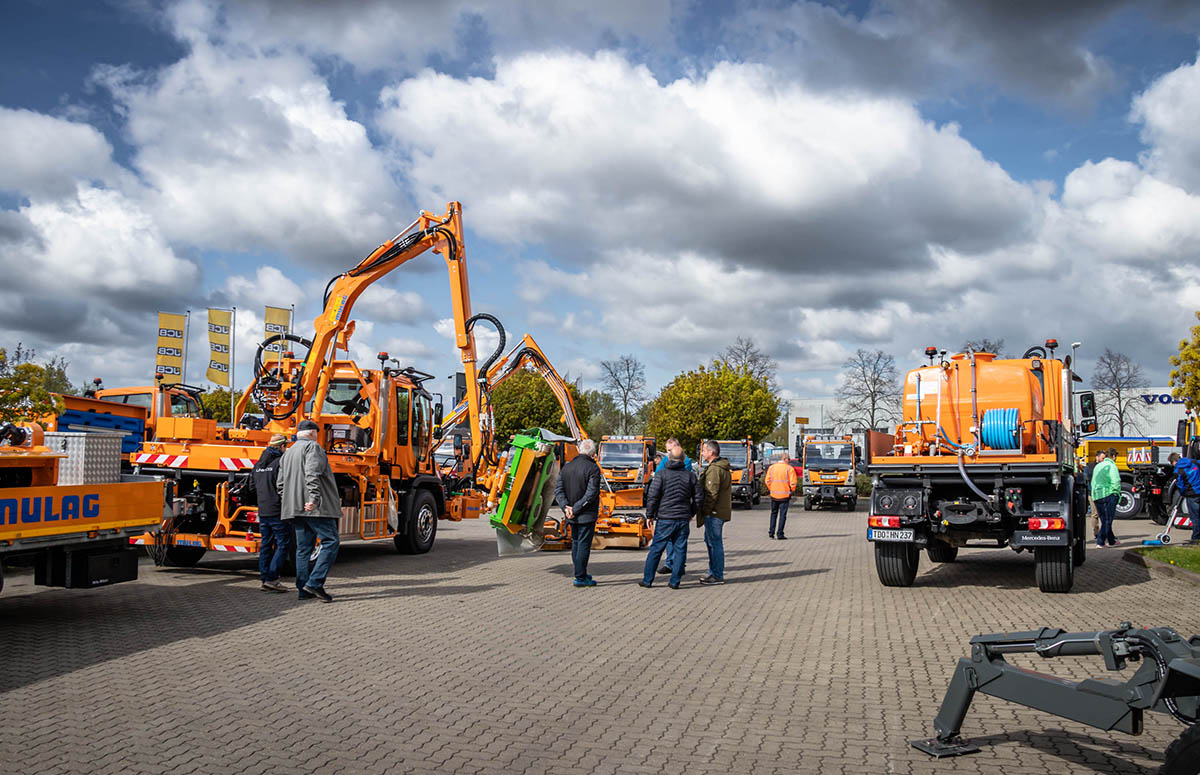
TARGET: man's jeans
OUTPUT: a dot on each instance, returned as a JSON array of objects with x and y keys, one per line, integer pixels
[
  {"x": 1193, "y": 512},
  {"x": 780, "y": 508},
  {"x": 1106, "y": 507},
  {"x": 713, "y": 528},
  {"x": 581, "y": 546},
  {"x": 308, "y": 529},
  {"x": 276, "y": 542},
  {"x": 671, "y": 533}
]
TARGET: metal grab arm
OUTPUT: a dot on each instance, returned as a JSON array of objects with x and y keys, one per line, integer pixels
[{"x": 1168, "y": 680}]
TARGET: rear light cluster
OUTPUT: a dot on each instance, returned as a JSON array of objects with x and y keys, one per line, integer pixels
[
  {"x": 1047, "y": 523},
  {"x": 883, "y": 521}
]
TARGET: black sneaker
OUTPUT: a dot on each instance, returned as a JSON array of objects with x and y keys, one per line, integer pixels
[
  {"x": 770, "y": 535},
  {"x": 305, "y": 596},
  {"x": 320, "y": 594},
  {"x": 711, "y": 579},
  {"x": 781, "y": 538},
  {"x": 673, "y": 586},
  {"x": 664, "y": 570},
  {"x": 644, "y": 584}
]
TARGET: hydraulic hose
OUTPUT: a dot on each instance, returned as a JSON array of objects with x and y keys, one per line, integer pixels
[
  {"x": 499, "y": 329},
  {"x": 1160, "y": 663},
  {"x": 962, "y": 470},
  {"x": 1001, "y": 429}
]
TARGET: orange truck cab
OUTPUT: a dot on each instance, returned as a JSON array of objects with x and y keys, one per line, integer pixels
[
  {"x": 984, "y": 456},
  {"x": 829, "y": 472},
  {"x": 159, "y": 401},
  {"x": 627, "y": 464},
  {"x": 745, "y": 471}
]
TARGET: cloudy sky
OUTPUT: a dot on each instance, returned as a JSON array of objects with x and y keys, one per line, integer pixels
[{"x": 649, "y": 177}]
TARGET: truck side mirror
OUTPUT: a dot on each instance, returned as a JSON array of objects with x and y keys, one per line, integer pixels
[
  {"x": 438, "y": 413},
  {"x": 458, "y": 443},
  {"x": 1181, "y": 433},
  {"x": 1087, "y": 406}
]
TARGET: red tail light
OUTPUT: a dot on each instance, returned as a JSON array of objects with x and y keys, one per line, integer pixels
[
  {"x": 1047, "y": 523},
  {"x": 883, "y": 521},
  {"x": 252, "y": 517}
]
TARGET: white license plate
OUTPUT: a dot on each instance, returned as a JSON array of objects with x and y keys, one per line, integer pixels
[{"x": 891, "y": 535}]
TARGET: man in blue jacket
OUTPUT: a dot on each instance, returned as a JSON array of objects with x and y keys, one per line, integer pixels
[
  {"x": 674, "y": 498},
  {"x": 1187, "y": 479}
]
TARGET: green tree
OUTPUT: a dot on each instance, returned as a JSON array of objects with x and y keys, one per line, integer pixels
[
  {"x": 714, "y": 402},
  {"x": 217, "y": 402},
  {"x": 1185, "y": 377},
  {"x": 606, "y": 414},
  {"x": 526, "y": 401},
  {"x": 24, "y": 394}
]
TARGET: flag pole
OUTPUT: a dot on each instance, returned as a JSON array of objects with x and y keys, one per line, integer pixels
[
  {"x": 187, "y": 321},
  {"x": 232, "y": 361}
]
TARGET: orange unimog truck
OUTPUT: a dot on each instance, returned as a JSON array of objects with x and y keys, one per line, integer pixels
[
  {"x": 829, "y": 472},
  {"x": 375, "y": 424},
  {"x": 742, "y": 455},
  {"x": 627, "y": 465},
  {"x": 984, "y": 457},
  {"x": 159, "y": 400}
]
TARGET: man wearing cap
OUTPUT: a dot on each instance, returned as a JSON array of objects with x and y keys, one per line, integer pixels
[
  {"x": 276, "y": 535},
  {"x": 310, "y": 499}
]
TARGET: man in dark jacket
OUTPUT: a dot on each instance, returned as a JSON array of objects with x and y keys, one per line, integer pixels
[
  {"x": 674, "y": 498},
  {"x": 578, "y": 495},
  {"x": 276, "y": 536},
  {"x": 717, "y": 478}
]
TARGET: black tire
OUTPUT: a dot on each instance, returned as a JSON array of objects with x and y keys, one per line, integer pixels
[
  {"x": 853, "y": 504},
  {"x": 420, "y": 525},
  {"x": 757, "y": 499},
  {"x": 1129, "y": 503},
  {"x": 808, "y": 504},
  {"x": 1183, "y": 754},
  {"x": 896, "y": 563},
  {"x": 184, "y": 556},
  {"x": 940, "y": 551},
  {"x": 1054, "y": 568},
  {"x": 1080, "y": 553},
  {"x": 1172, "y": 505},
  {"x": 1, "y": 577}
]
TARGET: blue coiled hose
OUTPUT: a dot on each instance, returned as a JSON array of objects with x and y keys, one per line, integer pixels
[{"x": 1001, "y": 429}]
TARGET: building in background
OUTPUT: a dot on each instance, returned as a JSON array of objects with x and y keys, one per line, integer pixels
[
  {"x": 1161, "y": 417},
  {"x": 820, "y": 415}
]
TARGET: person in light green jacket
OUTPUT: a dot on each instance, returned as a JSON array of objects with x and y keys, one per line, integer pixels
[{"x": 1106, "y": 488}]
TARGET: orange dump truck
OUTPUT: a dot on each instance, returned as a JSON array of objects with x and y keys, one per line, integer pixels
[
  {"x": 66, "y": 506},
  {"x": 984, "y": 457}
]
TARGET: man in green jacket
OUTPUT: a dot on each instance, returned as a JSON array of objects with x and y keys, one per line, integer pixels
[
  {"x": 717, "y": 482},
  {"x": 1106, "y": 488},
  {"x": 309, "y": 498}
]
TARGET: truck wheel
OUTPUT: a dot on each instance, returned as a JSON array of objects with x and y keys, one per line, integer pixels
[
  {"x": 940, "y": 551},
  {"x": 184, "y": 556},
  {"x": 1, "y": 577},
  {"x": 896, "y": 563},
  {"x": 420, "y": 526},
  {"x": 1183, "y": 755},
  {"x": 852, "y": 504},
  {"x": 1129, "y": 503},
  {"x": 757, "y": 499},
  {"x": 1054, "y": 568},
  {"x": 808, "y": 504}
]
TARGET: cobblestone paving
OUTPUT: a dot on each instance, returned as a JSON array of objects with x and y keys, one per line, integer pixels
[{"x": 459, "y": 662}]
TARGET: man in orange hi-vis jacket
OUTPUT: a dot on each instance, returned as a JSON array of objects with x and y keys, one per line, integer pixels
[{"x": 781, "y": 482}]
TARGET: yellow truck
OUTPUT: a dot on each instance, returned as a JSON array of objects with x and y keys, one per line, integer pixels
[
  {"x": 1133, "y": 498},
  {"x": 66, "y": 507},
  {"x": 829, "y": 472}
]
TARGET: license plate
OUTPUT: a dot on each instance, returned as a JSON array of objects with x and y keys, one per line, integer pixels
[{"x": 890, "y": 535}]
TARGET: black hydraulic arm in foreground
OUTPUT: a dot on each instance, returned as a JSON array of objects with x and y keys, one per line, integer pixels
[{"x": 1168, "y": 680}]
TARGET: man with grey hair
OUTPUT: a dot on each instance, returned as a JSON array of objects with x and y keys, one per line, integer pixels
[
  {"x": 577, "y": 493},
  {"x": 781, "y": 483},
  {"x": 309, "y": 497},
  {"x": 717, "y": 481}
]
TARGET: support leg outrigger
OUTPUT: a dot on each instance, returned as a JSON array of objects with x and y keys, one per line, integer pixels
[{"x": 1168, "y": 680}]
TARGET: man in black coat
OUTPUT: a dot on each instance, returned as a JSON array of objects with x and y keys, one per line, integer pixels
[
  {"x": 276, "y": 535},
  {"x": 674, "y": 498},
  {"x": 578, "y": 494}
]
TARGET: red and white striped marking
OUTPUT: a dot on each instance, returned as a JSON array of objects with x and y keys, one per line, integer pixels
[
  {"x": 139, "y": 542},
  {"x": 236, "y": 463},
  {"x": 232, "y": 548},
  {"x": 170, "y": 461}
]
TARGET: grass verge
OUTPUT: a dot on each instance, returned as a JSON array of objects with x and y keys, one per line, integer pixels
[{"x": 1186, "y": 557}]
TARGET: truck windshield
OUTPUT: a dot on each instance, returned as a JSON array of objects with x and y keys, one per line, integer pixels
[
  {"x": 183, "y": 405},
  {"x": 342, "y": 396},
  {"x": 828, "y": 457},
  {"x": 735, "y": 455},
  {"x": 620, "y": 454}
]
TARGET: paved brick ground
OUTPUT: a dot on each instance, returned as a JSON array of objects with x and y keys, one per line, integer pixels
[{"x": 458, "y": 662}]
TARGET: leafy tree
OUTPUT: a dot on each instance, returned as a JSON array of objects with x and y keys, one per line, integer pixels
[
  {"x": 1185, "y": 377},
  {"x": 605, "y": 414},
  {"x": 217, "y": 402},
  {"x": 985, "y": 346},
  {"x": 625, "y": 380},
  {"x": 24, "y": 394},
  {"x": 1118, "y": 380},
  {"x": 714, "y": 402},
  {"x": 870, "y": 389},
  {"x": 526, "y": 401}
]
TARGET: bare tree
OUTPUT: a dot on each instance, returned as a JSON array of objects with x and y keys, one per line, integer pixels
[
  {"x": 870, "y": 390},
  {"x": 745, "y": 354},
  {"x": 985, "y": 346},
  {"x": 1118, "y": 380},
  {"x": 625, "y": 381}
]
